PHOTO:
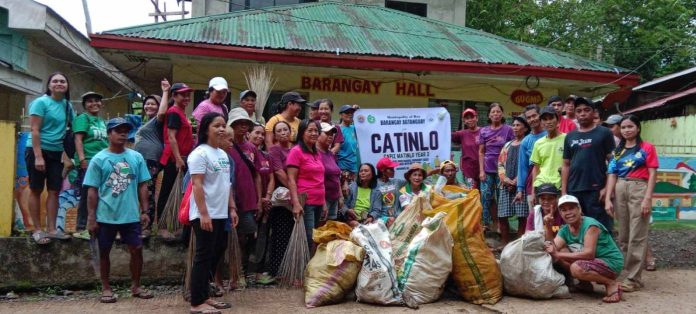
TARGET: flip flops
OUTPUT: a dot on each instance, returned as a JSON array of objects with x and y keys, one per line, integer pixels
[
  {"x": 40, "y": 238},
  {"x": 219, "y": 305},
  {"x": 142, "y": 294},
  {"x": 59, "y": 235},
  {"x": 614, "y": 297},
  {"x": 108, "y": 298}
]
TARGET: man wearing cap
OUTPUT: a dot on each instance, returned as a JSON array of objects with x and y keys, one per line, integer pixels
[
  {"x": 467, "y": 138},
  {"x": 217, "y": 93},
  {"x": 313, "y": 113},
  {"x": 545, "y": 215},
  {"x": 613, "y": 124},
  {"x": 117, "y": 203},
  {"x": 547, "y": 154},
  {"x": 90, "y": 139},
  {"x": 524, "y": 177},
  {"x": 289, "y": 108},
  {"x": 585, "y": 248},
  {"x": 247, "y": 100},
  {"x": 585, "y": 154},
  {"x": 348, "y": 158},
  {"x": 565, "y": 125}
]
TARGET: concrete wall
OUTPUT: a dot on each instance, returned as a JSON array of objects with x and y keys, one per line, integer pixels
[
  {"x": 668, "y": 139},
  {"x": 67, "y": 263},
  {"x": 450, "y": 11}
]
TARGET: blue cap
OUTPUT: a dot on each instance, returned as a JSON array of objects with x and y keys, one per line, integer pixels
[
  {"x": 245, "y": 93},
  {"x": 116, "y": 122},
  {"x": 345, "y": 108}
]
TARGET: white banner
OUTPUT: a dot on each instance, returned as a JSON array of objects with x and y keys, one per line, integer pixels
[{"x": 406, "y": 135}]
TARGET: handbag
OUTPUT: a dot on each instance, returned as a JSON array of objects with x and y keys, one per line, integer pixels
[
  {"x": 69, "y": 137},
  {"x": 185, "y": 206}
]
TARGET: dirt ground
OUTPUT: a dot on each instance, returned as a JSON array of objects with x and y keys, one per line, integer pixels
[{"x": 666, "y": 290}]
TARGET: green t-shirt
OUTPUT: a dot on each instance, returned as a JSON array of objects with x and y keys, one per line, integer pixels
[
  {"x": 95, "y": 138},
  {"x": 606, "y": 250},
  {"x": 548, "y": 154},
  {"x": 52, "y": 114},
  {"x": 362, "y": 201}
]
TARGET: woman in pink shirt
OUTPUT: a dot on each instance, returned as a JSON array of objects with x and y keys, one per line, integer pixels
[
  {"x": 306, "y": 175},
  {"x": 468, "y": 139}
]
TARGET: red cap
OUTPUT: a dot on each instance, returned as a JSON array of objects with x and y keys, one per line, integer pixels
[
  {"x": 385, "y": 163},
  {"x": 469, "y": 111}
]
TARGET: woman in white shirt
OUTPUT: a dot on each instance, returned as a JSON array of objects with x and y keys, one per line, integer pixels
[{"x": 212, "y": 203}]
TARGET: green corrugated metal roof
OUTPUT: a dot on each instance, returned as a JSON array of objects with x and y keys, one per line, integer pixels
[{"x": 360, "y": 30}]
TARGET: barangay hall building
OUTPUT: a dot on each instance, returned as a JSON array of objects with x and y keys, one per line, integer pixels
[{"x": 356, "y": 54}]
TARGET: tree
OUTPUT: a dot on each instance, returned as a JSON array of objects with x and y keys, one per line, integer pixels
[
  {"x": 692, "y": 182},
  {"x": 656, "y": 37}
]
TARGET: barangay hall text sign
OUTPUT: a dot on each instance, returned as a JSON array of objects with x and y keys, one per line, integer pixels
[{"x": 406, "y": 135}]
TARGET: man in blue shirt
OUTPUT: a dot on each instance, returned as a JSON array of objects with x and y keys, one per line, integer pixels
[
  {"x": 531, "y": 113},
  {"x": 117, "y": 178}
]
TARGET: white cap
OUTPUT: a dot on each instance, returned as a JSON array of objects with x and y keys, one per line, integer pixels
[
  {"x": 568, "y": 199},
  {"x": 325, "y": 127},
  {"x": 218, "y": 83}
]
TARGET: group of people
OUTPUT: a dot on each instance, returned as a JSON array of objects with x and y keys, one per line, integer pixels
[{"x": 240, "y": 166}]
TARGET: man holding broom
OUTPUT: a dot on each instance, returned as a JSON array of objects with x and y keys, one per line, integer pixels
[{"x": 117, "y": 178}]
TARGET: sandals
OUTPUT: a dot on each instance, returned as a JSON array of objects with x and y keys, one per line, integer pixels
[
  {"x": 614, "y": 297},
  {"x": 650, "y": 265},
  {"x": 84, "y": 235},
  {"x": 108, "y": 298},
  {"x": 206, "y": 311},
  {"x": 142, "y": 294},
  {"x": 217, "y": 291},
  {"x": 265, "y": 279},
  {"x": 218, "y": 305},
  {"x": 40, "y": 238},
  {"x": 59, "y": 235}
]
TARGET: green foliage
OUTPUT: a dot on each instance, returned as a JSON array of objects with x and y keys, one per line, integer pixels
[{"x": 626, "y": 33}]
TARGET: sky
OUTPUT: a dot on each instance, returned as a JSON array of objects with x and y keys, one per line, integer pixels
[{"x": 110, "y": 14}]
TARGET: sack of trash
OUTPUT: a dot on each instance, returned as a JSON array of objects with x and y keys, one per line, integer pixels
[
  {"x": 333, "y": 270},
  {"x": 429, "y": 262},
  {"x": 474, "y": 268},
  {"x": 405, "y": 227},
  {"x": 528, "y": 270},
  {"x": 377, "y": 282}
]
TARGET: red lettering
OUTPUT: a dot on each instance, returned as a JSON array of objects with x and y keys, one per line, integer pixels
[
  {"x": 411, "y": 90},
  {"x": 427, "y": 91},
  {"x": 306, "y": 82},
  {"x": 345, "y": 85},
  {"x": 336, "y": 86},
  {"x": 325, "y": 84},
  {"x": 355, "y": 86},
  {"x": 316, "y": 84},
  {"x": 366, "y": 87},
  {"x": 401, "y": 88},
  {"x": 376, "y": 86}
]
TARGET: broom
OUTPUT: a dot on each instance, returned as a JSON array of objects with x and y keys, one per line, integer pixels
[
  {"x": 169, "y": 222},
  {"x": 292, "y": 268},
  {"x": 234, "y": 261},
  {"x": 260, "y": 80}
]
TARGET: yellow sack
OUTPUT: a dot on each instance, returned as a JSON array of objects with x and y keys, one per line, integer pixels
[
  {"x": 332, "y": 272},
  {"x": 332, "y": 230},
  {"x": 474, "y": 267},
  {"x": 405, "y": 227}
]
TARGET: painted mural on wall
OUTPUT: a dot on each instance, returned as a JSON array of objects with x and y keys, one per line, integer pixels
[{"x": 675, "y": 192}]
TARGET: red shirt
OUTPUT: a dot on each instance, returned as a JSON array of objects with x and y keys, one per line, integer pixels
[
  {"x": 184, "y": 136},
  {"x": 566, "y": 125}
]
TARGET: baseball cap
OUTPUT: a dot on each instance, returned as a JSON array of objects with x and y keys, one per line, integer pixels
[
  {"x": 554, "y": 99},
  {"x": 315, "y": 104},
  {"x": 613, "y": 119},
  {"x": 386, "y": 163},
  {"x": 547, "y": 188},
  {"x": 547, "y": 110},
  {"x": 292, "y": 96},
  {"x": 245, "y": 93},
  {"x": 325, "y": 127},
  {"x": 116, "y": 122},
  {"x": 180, "y": 88},
  {"x": 218, "y": 83},
  {"x": 584, "y": 101},
  {"x": 346, "y": 108},
  {"x": 469, "y": 111},
  {"x": 568, "y": 199},
  {"x": 91, "y": 94}
]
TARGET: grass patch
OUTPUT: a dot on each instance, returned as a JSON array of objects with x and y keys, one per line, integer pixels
[{"x": 674, "y": 225}]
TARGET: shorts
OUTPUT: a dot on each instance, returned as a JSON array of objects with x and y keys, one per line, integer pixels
[
  {"x": 52, "y": 177},
  {"x": 247, "y": 222},
  {"x": 597, "y": 265},
  {"x": 130, "y": 235}
]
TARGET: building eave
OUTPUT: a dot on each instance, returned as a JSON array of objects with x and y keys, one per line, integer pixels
[{"x": 105, "y": 41}]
